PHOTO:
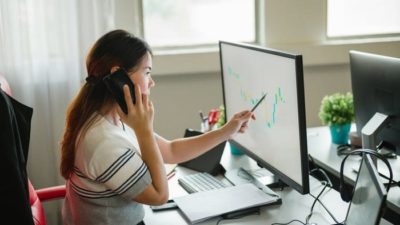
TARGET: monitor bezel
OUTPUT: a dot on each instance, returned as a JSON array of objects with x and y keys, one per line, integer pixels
[{"x": 304, "y": 187}]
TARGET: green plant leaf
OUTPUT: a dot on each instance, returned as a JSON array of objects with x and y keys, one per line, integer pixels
[{"x": 337, "y": 109}]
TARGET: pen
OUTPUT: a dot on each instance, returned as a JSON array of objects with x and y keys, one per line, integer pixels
[
  {"x": 258, "y": 103},
  {"x": 172, "y": 170},
  {"x": 171, "y": 175},
  {"x": 201, "y": 116}
]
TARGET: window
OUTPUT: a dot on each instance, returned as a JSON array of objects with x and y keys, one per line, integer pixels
[
  {"x": 363, "y": 17},
  {"x": 174, "y": 23}
]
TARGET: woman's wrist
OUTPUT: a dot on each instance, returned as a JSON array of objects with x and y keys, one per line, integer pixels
[
  {"x": 144, "y": 133},
  {"x": 226, "y": 133}
]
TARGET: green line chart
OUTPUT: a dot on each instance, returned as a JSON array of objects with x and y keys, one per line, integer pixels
[
  {"x": 278, "y": 99},
  {"x": 271, "y": 111}
]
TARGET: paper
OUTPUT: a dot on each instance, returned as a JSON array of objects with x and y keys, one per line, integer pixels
[{"x": 201, "y": 206}]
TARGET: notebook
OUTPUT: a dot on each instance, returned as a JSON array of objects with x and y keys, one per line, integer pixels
[{"x": 200, "y": 206}]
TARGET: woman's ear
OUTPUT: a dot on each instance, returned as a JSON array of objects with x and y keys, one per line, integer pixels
[{"x": 114, "y": 68}]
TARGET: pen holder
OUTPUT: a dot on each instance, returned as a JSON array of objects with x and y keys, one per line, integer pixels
[{"x": 204, "y": 127}]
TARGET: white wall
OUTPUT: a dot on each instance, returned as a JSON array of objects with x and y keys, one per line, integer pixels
[{"x": 186, "y": 83}]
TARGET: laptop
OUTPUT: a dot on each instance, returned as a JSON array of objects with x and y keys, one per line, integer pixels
[{"x": 369, "y": 197}]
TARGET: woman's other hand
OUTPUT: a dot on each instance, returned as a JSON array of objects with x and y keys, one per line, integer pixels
[{"x": 238, "y": 123}]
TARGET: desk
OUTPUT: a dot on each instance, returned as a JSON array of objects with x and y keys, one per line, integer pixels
[
  {"x": 294, "y": 206},
  {"x": 323, "y": 151}
]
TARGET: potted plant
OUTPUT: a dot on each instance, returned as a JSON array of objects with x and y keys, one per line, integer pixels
[{"x": 337, "y": 111}]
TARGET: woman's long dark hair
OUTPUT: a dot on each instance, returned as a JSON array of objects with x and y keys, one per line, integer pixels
[{"x": 115, "y": 48}]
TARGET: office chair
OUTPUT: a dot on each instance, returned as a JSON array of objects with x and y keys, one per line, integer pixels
[{"x": 18, "y": 167}]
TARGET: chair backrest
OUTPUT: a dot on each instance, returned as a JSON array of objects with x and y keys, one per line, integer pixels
[
  {"x": 36, "y": 206},
  {"x": 35, "y": 203},
  {"x": 4, "y": 85}
]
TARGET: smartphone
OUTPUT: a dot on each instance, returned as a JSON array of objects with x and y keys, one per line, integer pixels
[
  {"x": 115, "y": 83},
  {"x": 170, "y": 204}
]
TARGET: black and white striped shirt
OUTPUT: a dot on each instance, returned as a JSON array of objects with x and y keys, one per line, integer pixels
[{"x": 109, "y": 172}]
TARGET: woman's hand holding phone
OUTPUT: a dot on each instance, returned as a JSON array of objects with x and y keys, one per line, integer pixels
[{"x": 140, "y": 116}]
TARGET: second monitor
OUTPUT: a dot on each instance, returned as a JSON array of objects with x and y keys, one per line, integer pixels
[
  {"x": 277, "y": 138},
  {"x": 376, "y": 88}
]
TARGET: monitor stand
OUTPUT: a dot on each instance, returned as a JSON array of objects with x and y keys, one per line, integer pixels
[
  {"x": 371, "y": 130},
  {"x": 261, "y": 178},
  {"x": 369, "y": 134}
]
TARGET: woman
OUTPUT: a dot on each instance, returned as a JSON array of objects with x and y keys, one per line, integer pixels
[{"x": 112, "y": 161}]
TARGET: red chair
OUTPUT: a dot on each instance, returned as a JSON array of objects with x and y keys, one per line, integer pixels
[{"x": 37, "y": 196}]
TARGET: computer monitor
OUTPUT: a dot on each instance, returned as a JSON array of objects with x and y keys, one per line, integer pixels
[
  {"x": 376, "y": 88},
  {"x": 277, "y": 138},
  {"x": 369, "y": 196}
]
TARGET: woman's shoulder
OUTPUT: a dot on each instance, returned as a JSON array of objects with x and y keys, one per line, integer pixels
[
  {"x": 103, "y": 136},
  {"x": 102, "y": 142}
]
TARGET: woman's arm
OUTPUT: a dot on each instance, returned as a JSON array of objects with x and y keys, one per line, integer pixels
[
  {"x": 140, "y": 118},
  {"x": 183, "y": 149}
]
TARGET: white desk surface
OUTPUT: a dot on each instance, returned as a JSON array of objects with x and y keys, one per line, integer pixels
[
  {"x": 324, "y": 152},
  {"x": 294, "y": 206}
]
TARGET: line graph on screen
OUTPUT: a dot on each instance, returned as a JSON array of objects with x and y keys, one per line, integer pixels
[{"x": 271, "y": 105}]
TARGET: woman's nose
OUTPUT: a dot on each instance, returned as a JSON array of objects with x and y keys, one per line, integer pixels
[{"x": 152, "y": 83}]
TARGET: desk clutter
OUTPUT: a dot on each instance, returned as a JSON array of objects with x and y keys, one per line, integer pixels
[{"x": 214, "y": 119}]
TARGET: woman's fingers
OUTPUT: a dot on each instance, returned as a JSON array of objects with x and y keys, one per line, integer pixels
[
  {"x": 128, "y": 98},
  {"x": 145, "y": 100},
  {"x": 138, "y": 94}
]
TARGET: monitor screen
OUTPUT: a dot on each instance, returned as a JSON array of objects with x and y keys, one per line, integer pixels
[
  {"x": 277, "y": 138},
  {"x": 369, "y": 195},
  {"x": 375, "y": 83}
]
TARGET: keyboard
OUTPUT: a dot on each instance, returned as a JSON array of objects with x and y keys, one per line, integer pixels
[{"x": 200, "y": 182}]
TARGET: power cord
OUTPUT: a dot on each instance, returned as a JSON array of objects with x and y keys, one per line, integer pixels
[
  {"x": 326, "y": 184},
  {"x": 326, "y": 209},
  {"x": 329, "y": 182},
  {"x": 315, "y": 201},
  {"x": 323, "y": 174},
  {"x": 288, "y": 222},
  {"x": 255, "y": 211},
  {"x": 393, "y": 183}
]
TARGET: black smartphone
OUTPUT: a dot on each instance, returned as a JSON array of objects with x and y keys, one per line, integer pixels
[
  {"x": 170, "y": 204},
  {"x": 115, "y": 83}
]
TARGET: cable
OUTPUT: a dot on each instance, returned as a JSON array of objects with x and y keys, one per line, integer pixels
[
  {"x": 387, "y": 178},
  {"x": 288, "y": 222},
  {"x": 324, "y": 174},
  {"x": 238, "y": 217},
  {"x": 317, "y": 168},
  {"x": 312, "y": 208},
  {"x": 326, "y": 209},
  {"x": 330, "y": 186},
  {"x": 315, "y": 201}
]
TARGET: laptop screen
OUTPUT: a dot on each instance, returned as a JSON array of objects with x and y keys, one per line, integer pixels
[{"x": 369, "y": 196}]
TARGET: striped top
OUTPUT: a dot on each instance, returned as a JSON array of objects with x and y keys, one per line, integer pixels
[{"x": 108, "y": 174}]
